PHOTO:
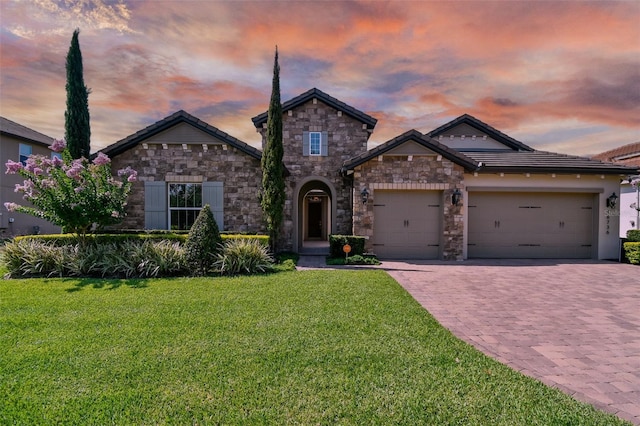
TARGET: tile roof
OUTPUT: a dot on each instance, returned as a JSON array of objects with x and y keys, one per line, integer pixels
[
  {"x": 416, "y": 136},
  {"x": 622, "y": 152},
  {"x": 260, "y": 119},
  {"x": 543, "y": 162},
  {"x": 170, "y": 121},
  {"x": 12, "y": 128},
  {"x": 491, "y": 131}
]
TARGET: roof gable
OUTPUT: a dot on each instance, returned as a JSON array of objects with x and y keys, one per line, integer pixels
[
  {"x": 11, "y": 128},
  {"x": 259, "y": 120},
  {"x": 180, "y": 123},
  {"x": 491, "y": 139},
  {"x": 413, "y": 139}
]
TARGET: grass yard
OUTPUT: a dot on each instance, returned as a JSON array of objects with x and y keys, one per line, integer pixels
[{"x": 309, "y": 347}]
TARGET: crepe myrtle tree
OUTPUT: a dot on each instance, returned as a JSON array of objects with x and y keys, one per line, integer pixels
[{"x": 79, "y": 195}]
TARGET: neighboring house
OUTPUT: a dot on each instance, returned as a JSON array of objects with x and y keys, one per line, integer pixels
[
  {"x": 17, "y": 142},
  {"x": 629, "y": 195},
  {"x": 464, "y": 190}
]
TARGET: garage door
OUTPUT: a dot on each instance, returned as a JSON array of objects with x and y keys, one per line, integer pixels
[
  {"x": 407, "y": 224},
  {"x": 530, "y": 225}
]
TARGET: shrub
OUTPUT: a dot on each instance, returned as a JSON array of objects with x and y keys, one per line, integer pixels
[
  {"x": 202, "y": 243},
  {"x": 31, "y": 258},
  {"x": 243, "y": 257},
  {"x": 337, "y": 242},
  {"x": 632, "y": 252},
  {"x": 131, "y": 259},
  {"x": 633, "y": 235}
]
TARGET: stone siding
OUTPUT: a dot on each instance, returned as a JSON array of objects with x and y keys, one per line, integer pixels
[
  {"x": 346, "y": 139},
  {"x": 422, "y": 173},
  {"x": 239, "y": 172}
]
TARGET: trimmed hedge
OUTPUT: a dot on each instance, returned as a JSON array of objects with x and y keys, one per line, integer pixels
[
  {"x": 633, "y": 235},
  {"x": 632, "y": 251},
  {"x": 337, "y": 242},
  {"x": 65, "y": 239}
]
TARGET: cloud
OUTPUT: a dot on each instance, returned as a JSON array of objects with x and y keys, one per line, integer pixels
[{"x": 47, "y": 17}]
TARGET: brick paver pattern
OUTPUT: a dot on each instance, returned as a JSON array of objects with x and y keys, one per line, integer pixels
[{"x": 574, "y": 325}]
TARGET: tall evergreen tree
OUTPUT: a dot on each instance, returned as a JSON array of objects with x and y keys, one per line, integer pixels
[
  {"x": 273, "y": 195},
  {"x": 76, "y": 117}
]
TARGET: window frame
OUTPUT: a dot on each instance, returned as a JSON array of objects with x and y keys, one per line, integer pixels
[
  {"x": 311, "y": 144},
  {"x": 21, "y": 154},
  {"x": 183, "y": 208}
]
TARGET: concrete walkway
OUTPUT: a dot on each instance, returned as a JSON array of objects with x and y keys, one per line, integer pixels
[{"x": 574, "y": 325}]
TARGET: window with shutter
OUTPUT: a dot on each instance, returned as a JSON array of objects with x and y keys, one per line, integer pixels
[
  {"x": 315, "y": 143},
  {"x": 155, "y": 205}
]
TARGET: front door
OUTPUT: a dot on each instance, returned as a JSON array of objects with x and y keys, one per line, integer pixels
[{"x": 314, "y": 222}]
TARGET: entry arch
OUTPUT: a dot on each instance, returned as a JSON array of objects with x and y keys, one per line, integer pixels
[{"x": 308, "y": 186}]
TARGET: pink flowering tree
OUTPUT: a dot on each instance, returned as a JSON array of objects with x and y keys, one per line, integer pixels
[{"x": 78, "y": 195}]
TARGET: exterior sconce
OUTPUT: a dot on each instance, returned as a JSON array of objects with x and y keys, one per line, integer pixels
[
  {"x": 364, "y": 193},
  {"x": 611, "y": 201},
  {"x": 456, "y": 197}
]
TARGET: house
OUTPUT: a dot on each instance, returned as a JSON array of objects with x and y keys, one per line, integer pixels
[
  {"x": 463, "y": 190},
  {"x": 18, "y": 142},
  {"x": 628, "y": 155}
]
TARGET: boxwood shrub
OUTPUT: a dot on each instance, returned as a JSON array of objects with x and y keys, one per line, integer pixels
[
  {"x": 337, "y": 242},
  {"x": 633, "y": 235},
  {"x": 632, "y": 251}
]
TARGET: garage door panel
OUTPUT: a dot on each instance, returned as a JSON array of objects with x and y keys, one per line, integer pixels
[
  {"x": 530, "y": 225},
  {"x": 407, "y": 224}
]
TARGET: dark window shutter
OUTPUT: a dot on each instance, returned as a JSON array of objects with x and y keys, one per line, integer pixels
[
  {"x": 212, "y": 194},
  {"x": 155, "y": 205},
  {"x": 324, "y": 144},
  {"x": 305, "y": 143}
]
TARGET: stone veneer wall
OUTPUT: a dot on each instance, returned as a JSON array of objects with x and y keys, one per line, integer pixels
[
  {"x": 240, "y": 173},
  {"x": 422, "y": 173},
  {"x": 347, "y": 138}
]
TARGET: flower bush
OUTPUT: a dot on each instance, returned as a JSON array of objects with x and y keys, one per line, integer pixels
[{"x": 78, "y": 195}]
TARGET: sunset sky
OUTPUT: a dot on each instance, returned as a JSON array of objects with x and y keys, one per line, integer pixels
[{"x": 561, "y": 76}]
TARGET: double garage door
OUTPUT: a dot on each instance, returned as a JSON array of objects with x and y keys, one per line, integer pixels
[
  {"x": 530, "y": 225},
  {"x": 407, "y": 224}
]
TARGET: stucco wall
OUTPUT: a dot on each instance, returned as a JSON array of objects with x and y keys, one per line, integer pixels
[
  {"x": 239, "y": 172},
  {"x": 14, "y": 223}
]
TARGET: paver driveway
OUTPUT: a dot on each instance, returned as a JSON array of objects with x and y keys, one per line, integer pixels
[{"x": 574, "y": 325}]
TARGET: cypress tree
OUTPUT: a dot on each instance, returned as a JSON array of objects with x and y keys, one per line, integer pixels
[
  {"x": 76, "y": 117},
  {"x": 273, "y": 194}
]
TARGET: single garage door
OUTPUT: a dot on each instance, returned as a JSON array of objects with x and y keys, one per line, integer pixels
[
  {"x": 531, "y": 225},
  {"x": 407, "y": 224}
]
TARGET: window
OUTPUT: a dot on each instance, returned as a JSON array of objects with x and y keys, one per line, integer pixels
[
  {"x": 314, "y": 143},
  {"x": 25, "y": 152},
  {"x": 56, "y": 155},
  {"x": 185, "y": 202}
]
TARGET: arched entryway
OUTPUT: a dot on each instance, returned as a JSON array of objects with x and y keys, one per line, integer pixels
[{"x": 314, "y": 215}]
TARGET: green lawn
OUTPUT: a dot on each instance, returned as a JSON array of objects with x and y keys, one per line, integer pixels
[{"x": 311, "y": 347}]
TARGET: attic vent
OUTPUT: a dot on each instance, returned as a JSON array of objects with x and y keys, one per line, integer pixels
[
  {"x": 290, "y": 113},
  {"x": 165, "y": 146},
  {"x": 339, "y": 113},
  {"x": 315, "y": 101}
]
